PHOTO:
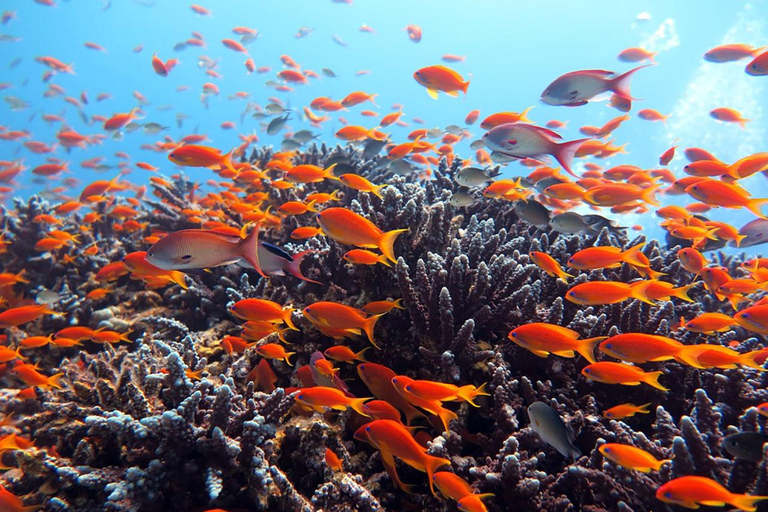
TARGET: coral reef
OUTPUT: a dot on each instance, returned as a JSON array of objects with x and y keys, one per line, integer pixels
[{"x": 131, "y": 431}]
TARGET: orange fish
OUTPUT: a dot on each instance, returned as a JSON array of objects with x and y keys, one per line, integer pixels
[
  {"x": 718, "y": 193},
  {"x": 548, "y": 264},
  {"x": 30, "y": 376},
  {"x": 693, "y": 491},
  {"x": 394, "y": 440},
  {"x": 137, "y": 263},
  {"x": 543, "y": 339},
  {"x": 431, "y": 406},
  {"x": 274, "y": 351},
  {"x": 321, "y": 399},
  {"x": 348, "y": 227},
  {"x": 378, "y": 379},
  {"x": 631, "y": 457},
  {"x": 380, "y": 307},
  {"x": 638, "y": 347},
  {"x": 692, "y": 260},
  {"x": 307, "y": 173},
  {"x": 332, "y": 460},
  {"x": 344, "y": 354},
  {"x": 381, "y": 410},
  {"x": 363, "y": 257},
  {"x": 11, "y": 503},
  {"x": 605, "y": 257},
  {"x": 729, "y": 115},
  {"x": 261, "y": 310},
  {"x": 201, "y": 156},
  {"x": 263, "y": 376},
  {"x": 305, "y": 232},
  {"x": 500, "y": 118},
  {"x": 622, "y": 411},
  {"x": 618, "y": 373},
  {"x": 359, "y": 183},
  {"x": 607, "y": 292},
  {"x": 441, "y": 78},
  {"x": 333, "y": 318},
  {"x": 17, "y": 316},
  {"x": 429, "y": 390}
]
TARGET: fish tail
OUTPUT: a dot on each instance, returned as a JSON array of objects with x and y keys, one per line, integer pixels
[
  {"x": 55, "y": 380},
  {"x": 387, "y": 242},
  {"x": 637, "y": 291},
  {"x": 360, "y": 356},
  {"x": 565, "y": 152},
  {"x": 756, "y": 207},
  {"x": 294, "y": 267},
  {"x": 311, "y": 206},
  {"x": 328, "y": 173},
  {"x": 335, "y": 194},
  {"x": 524, "y": 115},
  {"x": 286, "y": 358},
  {"x": 287, "y": 318},
  {"x": 368, "y": 325},
  {"x": 226, "y": 161},
  {"x": 357, "y": 404},
  {"x": 620, "y": 84},
  {"x": 562, "y": 274},
  {"x": 744, "y": 502},
  {"x": 748, "y": 359},
  {"x": 446, "y": 416},
  {"x": 586, "y": 347},
  {"x": 178, "y": 278},
  {"x": 681, "y": 292},
  {"x": 377, "y": 191},
  {"x": 398, "y": 304},
  {"x": 738, "y": 239},
  {"x": 658, "y": 464},
  {"x": 384, "y": 261},
  {"x": 743, "y": 123},
  {"x": 652, "y": 379},
  {"x": 630, "y": 255},
  {"x": 249, "y": 249},
  {"x": 371, "y": 97},
  {"x": 649, "y": 195},
  {"x": 644, "y": 408},
  {"x": 465, "y": 86},
  {"x": 470, "y": 392},
  {"x": 431, "y": 464}
]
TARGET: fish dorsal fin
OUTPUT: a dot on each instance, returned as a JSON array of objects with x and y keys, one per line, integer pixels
[
  {"x": 277, "y": 251},
  {"x": 546, "y": 131}
]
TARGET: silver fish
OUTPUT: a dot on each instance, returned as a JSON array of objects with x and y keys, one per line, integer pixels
[
  {"x": 16, "y": 103},
  {"x": 461, "y": 199},
  {"x": 454, "y": 129},
  {"x": 401, "y": 167},
  {"x": 153, "y": 128},
  {"x": 247, "y": 39},
  {"x": 477, "y": 144},
  {"x": 533, "y": 212},
  {"x": 274, "y": 108},
  {"x": 277, "y": 124},
  {"x": 328, "y": 72},
  {"x": 756, "y": 232},
  {"x": 542, "y": 184},
  {"x": 471, "y": 177},
  {"x": 550, "y": 427},
  {"x": 746, "y": 445},
  {"x": 569, "y": 222},
  {"x": 339, "y": 41},
  {"x": 274, "y": 261},
  {"x": 434, "y": 133},
  {"x": 502, "y": 158},
  {"x": 290, "y": 144},
  {"x": 373, "y": 147},
  {"x": 48, "y": 297},
  {"x": 598, "y": 222},
  {"x": 304, "y": 136}
]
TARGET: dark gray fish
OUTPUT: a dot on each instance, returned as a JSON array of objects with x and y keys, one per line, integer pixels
[
  {"x": 477, "y": 144},
  {"x": 290, "y": 144},
  {"x": 153, "y": 128},
  {"x": 471, "y": 177},
  {"x": 434, "y": 133},
  {"x": 461, "y": 199},
  {"x": 15, "y": 63},
  {"x": 454, "y": 129},
  {"x": 756, "y": 232},
  {"x": 328, "y": 72},
  {"x": 178, "y": 47},
  {"x": 746, "y": 445},
  {"x": 304, "y": 136},
  {"x": 401, "y": 167},
  {"x": 373, "y": 147},
  {"x": 277, "y": 124},
  {"x": 247, "y": 39},
  {"x": 598, "y": 222},
  {"x": 16, "y": 103},
  {"x": 569, "y": 222},
  {"x": 542, "y": 184},
  {"x": 274, "y": 108},
  {"x": 550, "y": 427},
  {"x": 533, "y": 212}
]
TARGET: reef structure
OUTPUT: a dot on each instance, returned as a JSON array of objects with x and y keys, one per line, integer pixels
[{"x": 131, "y": 430}]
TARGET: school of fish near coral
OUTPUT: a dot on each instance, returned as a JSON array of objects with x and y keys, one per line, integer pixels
[{"x": 384, "y": 325}]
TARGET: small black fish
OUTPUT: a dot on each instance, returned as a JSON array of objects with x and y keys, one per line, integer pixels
[{"x": 746, "y": 445}]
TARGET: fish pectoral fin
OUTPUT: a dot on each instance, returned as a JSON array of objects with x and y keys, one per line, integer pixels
[
  {"x": 540, "y": 353},
  {"x": 713, "y": 503},
  {"x": 432, "y": 93},
  {"x": 564, "y": 353},
  {"x": 636, "y": 383},
  {"x": 455, "y": 94}
]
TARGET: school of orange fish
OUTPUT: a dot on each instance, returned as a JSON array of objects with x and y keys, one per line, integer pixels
[{"x": 171, "y": 259}]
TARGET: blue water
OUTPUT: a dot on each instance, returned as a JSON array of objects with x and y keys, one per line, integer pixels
[{"x": 512, "y": 52}]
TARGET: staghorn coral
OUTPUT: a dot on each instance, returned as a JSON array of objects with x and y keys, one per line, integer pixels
[{"x": 131, "y": 431}]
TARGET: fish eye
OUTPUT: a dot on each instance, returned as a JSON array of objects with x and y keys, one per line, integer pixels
[
  {"x": 514, "y": 335},
  {"x": 300, "y": 397},
  {"x": 608, "y": 450},
  {"x": 572, "y": 294},
  {"x": 148, "y": 254},
  {"x": 367, "y": 429},
  {"x": 745, "y": 315},
  {"x": 609, "y": 345},
  {"x": 668, "y": 494},
  {"x": 587, "y": 370}
]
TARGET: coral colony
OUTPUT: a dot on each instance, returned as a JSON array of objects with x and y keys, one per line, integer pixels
[{"x": 194, "y": 403}]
